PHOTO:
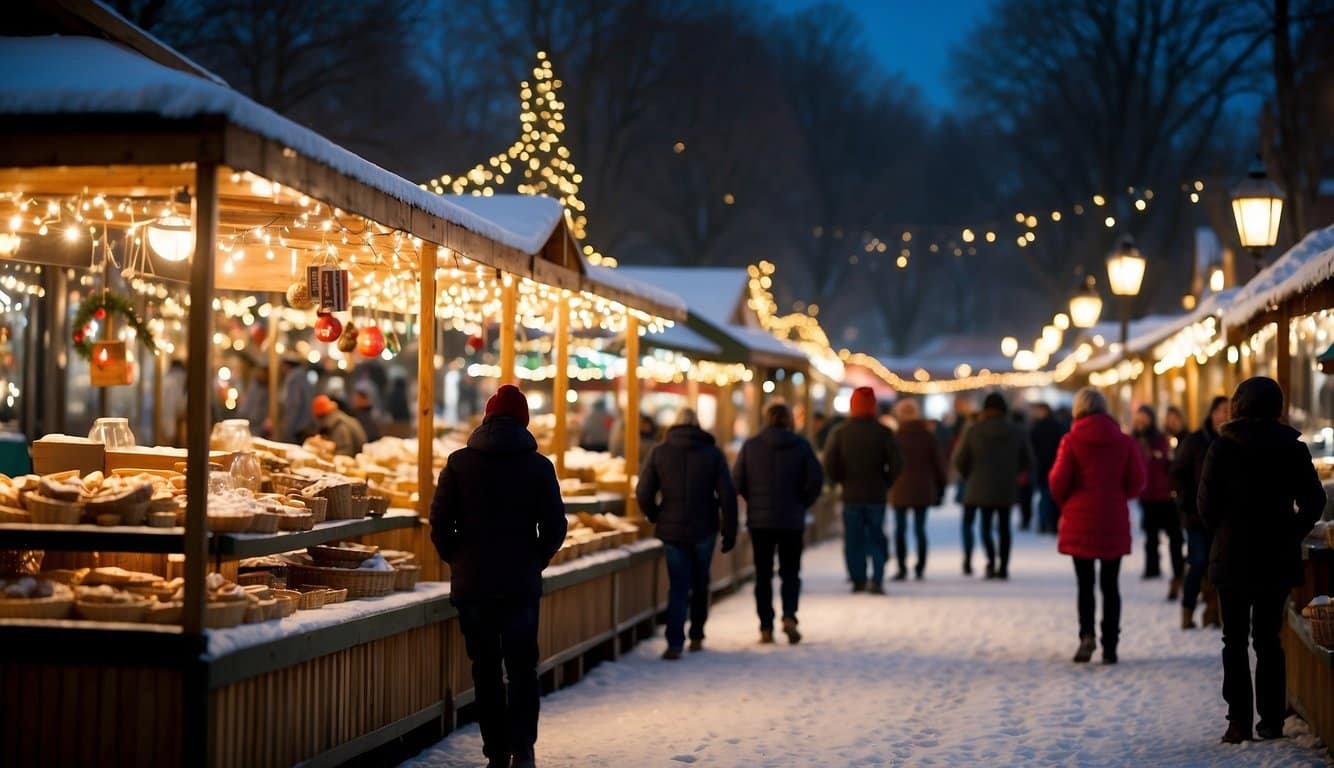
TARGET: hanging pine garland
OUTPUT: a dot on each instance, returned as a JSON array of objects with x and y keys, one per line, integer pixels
[{"x": 98, "y": 306}]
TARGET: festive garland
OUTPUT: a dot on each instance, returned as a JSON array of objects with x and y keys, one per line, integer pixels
[{"x": 96, "y": 307}]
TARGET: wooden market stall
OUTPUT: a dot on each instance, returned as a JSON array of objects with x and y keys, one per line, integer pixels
[{"x": 110, "y": 136}]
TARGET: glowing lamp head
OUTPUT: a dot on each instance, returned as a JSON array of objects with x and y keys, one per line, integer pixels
[
  {"x": 1217, "y": 279},
  {"x": 1125, "y": 268},
  {"x": 172, "y": 237},
  {"x": 1009, "y": 346},
  {"x": 1257, "y": 205},
  {"x": 1086, "y": 307}
]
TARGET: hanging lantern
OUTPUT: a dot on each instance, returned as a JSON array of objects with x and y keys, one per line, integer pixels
[
  {"x": 348, "y": 341},
  {"x": 1086, "y": 307},
  {"x": 328, "y": 328},
  {"x": 172, "y": 237},
  {"x": 1125, "y": 268},
  {"x": 1257, "y": 205},
  {"x": 371, "y": 341}
]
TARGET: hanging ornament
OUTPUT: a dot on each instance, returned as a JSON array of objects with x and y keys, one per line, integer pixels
[
  {"x": 392, "y": 344},
  {"x": 100, "y": 313},
  {"x": 258, "y": 334},
  {"x": 475, "y": 344},
  {"x": 371, "y": 341},
  {"x": 328, "y": 328},
  {"x": 298, "y": 295},
  {"x": 348, "y": 341}
]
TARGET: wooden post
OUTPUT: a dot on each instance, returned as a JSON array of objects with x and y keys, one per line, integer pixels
[
  {"x": 160, "y": 435},
  {"x": 1283, "y": 358},
  {"x": 1192, "y": 391},
  {"x": 725, "y": 421},
  {"x": 692, "y": 394},
  {"x": 509, "y": 294},
  {"x": 426, "y": 381},
  {"x": 631, "y": 412},
  {"x": 807, "y": 406},
  {"x": 560, "y": 383},
  {"x": 275, "y": 364},
  {"x": 200, "y": 342}
]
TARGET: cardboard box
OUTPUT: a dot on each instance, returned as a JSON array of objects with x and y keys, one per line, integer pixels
[
  {"x": 155, "y": 457},
  {"x": 59, "y": 453}
]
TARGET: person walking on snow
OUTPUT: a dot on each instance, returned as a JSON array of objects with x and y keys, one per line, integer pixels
[
  {"x": 779, "y": 476},
  {"x": 1159, "y": 510},
  {"x": 1260, "y": 496},
  {"x": 863, "y": 457},
  {"x": 1098, "y": 470},
  {"x": 686, "y": 491},
  {"x": 497, "y": 519},
  {"x": 921, "y": 485},
  {"x": 1186, "y": 472},
  {"x": 991, "y": 455},
  {"x": 1044, "y": 438}
]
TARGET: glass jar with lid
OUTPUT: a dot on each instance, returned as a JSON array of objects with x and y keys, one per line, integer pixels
[
  {"x": 114, "y": 433},
  {"x": 230, "y": 435},
  {"x": 246, "y": 471}
]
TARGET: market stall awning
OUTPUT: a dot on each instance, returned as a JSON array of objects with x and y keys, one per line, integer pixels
[
  {"x": 716, "y": 300},
  {"x": 1306, "y": 266},
  {"x": 680, "y": 338},
  {"x": 58, "y": 94}
]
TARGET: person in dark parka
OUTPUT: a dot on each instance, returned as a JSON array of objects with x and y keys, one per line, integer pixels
[
  {"x": 686, "y": 491},
  {"x": 1259, "y": 495},
  {"x": 779, "y": 476},
  {"x": 1187, "y": 469},
  {"x": 1160, "y": 511},
  {"x": 863, "y": 457},
  {"x": 992, "y": 453},
  {"x": 497, "y": 519},
  {"x": 919, "y": 487},
  {"x": 1045, "y": 438}
]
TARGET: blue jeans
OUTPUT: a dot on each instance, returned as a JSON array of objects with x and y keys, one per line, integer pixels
[
  {"x": 1049, "y": 515},
  {"x": 864, "y": 536},
  {"x": 688, "y": 574},
  {"x": 1198, "y": 543}
]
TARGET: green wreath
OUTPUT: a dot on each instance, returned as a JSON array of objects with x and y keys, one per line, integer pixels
[{"x": 97, "y": 306}]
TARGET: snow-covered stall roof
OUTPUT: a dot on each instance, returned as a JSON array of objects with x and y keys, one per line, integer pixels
[
  {"x": 1143, "y": 334},
  {"x": 65, "y": 76},
  {"x": 681, "y": 338},
  {"x": 531, "y": 217},
  {"x": 598, "y": 277},
  {"x": 1305, "y": 265}
]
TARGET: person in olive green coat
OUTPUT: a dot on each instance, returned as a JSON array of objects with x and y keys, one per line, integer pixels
[{"x": 991, "y": 455}]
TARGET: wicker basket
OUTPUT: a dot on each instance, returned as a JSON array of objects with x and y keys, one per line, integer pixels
[
  {"x": 261, "y": 611},
  {"x": 332, "y": 596},
  {"x": 51, "y": 512},
  {"x": 253, "y": 578},
  {"x": 286, "y": 605},
  {"x": 405, "y": 577},
  {"x": 284, "y": 483},
  {"x": 20, "y": 562},
  {"x": 224, "y": 615},
  {"x": 359, "y": 488},
  {"x": 14, "y": 515},
  {"x": 230, "y": 523},
  {"x": 266, "y": 522},
  {"x": 130, "y": 612},
  {"x": 1322, "y": 624},
  {"x": 165, "y": 613},
  {"x": 376, "y": 506},
  {"x": 309, "y": 597},
  {"x": 296, "y": 521},
  {"x": 327, "y": 556},
  {"x": 359, "y": 583},
  {"x": 360, "y": 506},
  {"x": 339, "y": 499},
  {"x": 318, "y": 506},
  {"x": 54, "y": 607}
]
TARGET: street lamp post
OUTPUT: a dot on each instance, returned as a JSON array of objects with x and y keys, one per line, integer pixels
[
  {"x": 1125, "y": 273},
  {"x": 1257, "y": 205}
]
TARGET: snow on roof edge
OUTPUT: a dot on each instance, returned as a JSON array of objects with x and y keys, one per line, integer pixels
[{"x": 1305, "y": 265}]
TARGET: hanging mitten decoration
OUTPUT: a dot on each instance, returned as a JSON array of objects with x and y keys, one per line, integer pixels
[
  {"x": 348, "y": 341},
  {"x": 328, "y": 328},
  {"x": 370, "y": 342}
]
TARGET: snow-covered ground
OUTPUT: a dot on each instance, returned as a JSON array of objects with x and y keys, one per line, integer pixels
[{"x": 951, "y": 671}]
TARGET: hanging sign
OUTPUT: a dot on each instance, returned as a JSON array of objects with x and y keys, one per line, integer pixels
[
  {"x": 108, "y": 367},
  {"x": 333, "y": 289},
  {"x": 313, "y": 282}
]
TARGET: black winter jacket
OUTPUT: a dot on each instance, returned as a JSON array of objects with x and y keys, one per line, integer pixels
[
  {"x": 1187, "y": 469},
  {"x": 864, "y": 458},
  {"x": 779, "y": 476},
  {"x": 1254, "y": 474},
  {"x": 1045, "y": 439},
  {"x": 497, "y": 517},
  {"x": 684, "y": 488}
]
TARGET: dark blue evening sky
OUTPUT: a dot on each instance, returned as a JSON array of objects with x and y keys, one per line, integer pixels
[{"x": 912, "y": 36}]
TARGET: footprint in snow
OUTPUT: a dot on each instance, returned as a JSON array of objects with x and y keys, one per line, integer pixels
[{"x": 684, "y": 758}]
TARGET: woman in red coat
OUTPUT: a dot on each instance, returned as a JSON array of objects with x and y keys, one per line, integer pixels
[{"x": 1098, "y": 470}]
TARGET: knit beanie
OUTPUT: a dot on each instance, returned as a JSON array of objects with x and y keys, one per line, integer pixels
[
  {"x": 508, "y": 401},
  {"x": 863, "y": 404}
]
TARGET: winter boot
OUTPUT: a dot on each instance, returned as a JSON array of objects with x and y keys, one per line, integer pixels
[
  {"x": 1087, "y": 644},
  {"x": 1236, "y": 733},
  {"x": 766, "y": 637},
  {"x": 1109, "y": 654},
  {"x": 1188, "y": 618},
  {"x": 920, "y": 572},
  {"x": 990, "y": 573},
  {"x": 1174, "y": 590},
  {"x": 671, "y": 654},
  {"x": 876, "y": 588},
  {"x": 523, "y": 760},
  {"x": 696, "y": 646},
  {"x": 1268, "y": 730},
  {"x": 858, "y": 586},
  {"x": 902, "y": 575},
  {"x": 790, "y": 629},
  {"x": 1211, "y": 617},
  {"x": 967, "y": 568}
]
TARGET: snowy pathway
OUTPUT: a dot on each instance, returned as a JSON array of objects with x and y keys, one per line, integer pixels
[{"x": 945, "y": 672}]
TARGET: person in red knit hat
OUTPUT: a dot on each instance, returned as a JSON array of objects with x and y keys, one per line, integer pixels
[
  {"x": 497, "y": 519},
  {"x": 863, "y": 457}
]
